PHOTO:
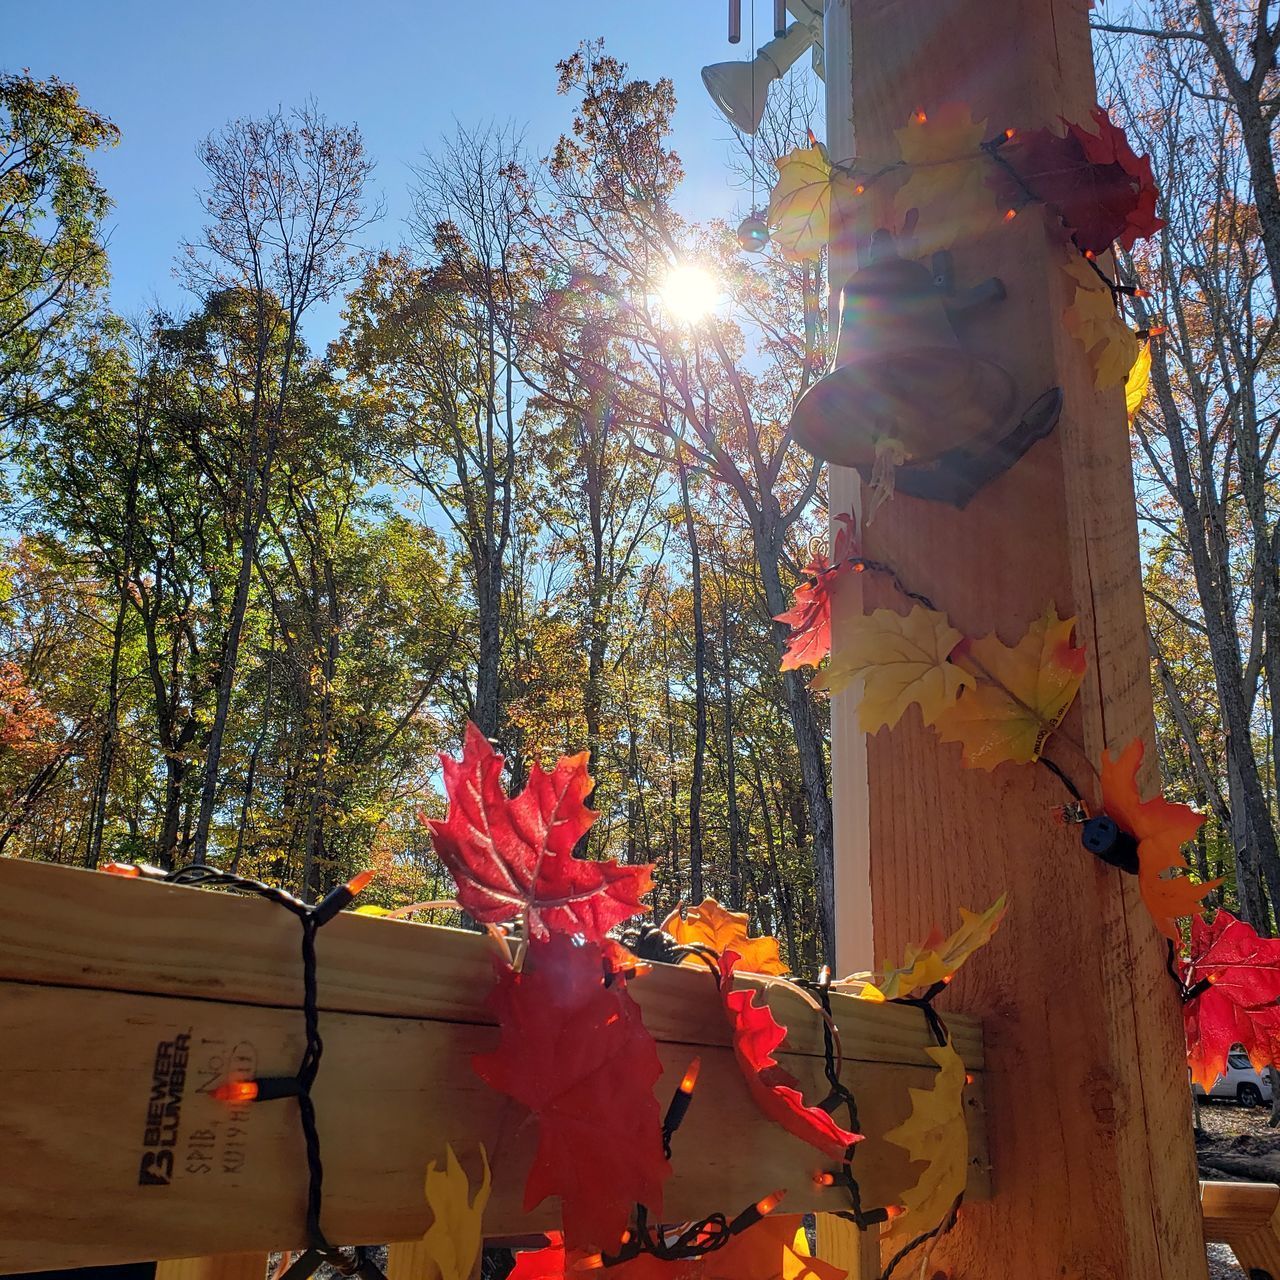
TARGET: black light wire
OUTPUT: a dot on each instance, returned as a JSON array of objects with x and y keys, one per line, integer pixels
[{"x": 311, "y": 917}]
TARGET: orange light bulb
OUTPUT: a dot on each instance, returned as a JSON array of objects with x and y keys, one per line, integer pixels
[
  {"x": 360, "y": 881},
  {"x": 893, "y": 1211},
  {"x": 1010, "y": 134},
  {"x": 235, "y": 1091},
  {"x": 921, "y": 118},
  {"x": 691, "y": 1076},
  {"x": 825, "y": 1179},
  {"x": 968, "y": 1079},
  {"x": 1010, "y": 214},
  {"x": 770, "y": 1202}
]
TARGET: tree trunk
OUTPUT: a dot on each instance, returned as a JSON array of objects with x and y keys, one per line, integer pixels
[
  {"x": 699, "y": 697},
  {"x": 809, "y": 747},
  {"x": 730, "y": 762}
]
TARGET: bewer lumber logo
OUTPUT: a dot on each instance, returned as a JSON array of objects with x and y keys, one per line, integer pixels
[{"x": 164, "y": 1111}]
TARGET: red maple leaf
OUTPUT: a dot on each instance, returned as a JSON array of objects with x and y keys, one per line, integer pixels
[
  {"x": 578, "y": 1055},
  {"x": 810, "y": 614},
  {"x": 1235, "y": 978},
  {"x": 515, "y": 857},
  {"x": 756, "y": 1034},
  {"x": 1093, "y": 181},
  {"x": 1161, "y": 828}
]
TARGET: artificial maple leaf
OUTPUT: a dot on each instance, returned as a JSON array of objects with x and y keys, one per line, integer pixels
[
  {"x": 577, "y": 1054},
  {"x": 1161, "y": 828},
  {"x": 723, "y": 930},
  {"x": 1091, "y": 317},
  {"x": 946, "y": 176},
  {"x": 1094, "y": 182},
  {"x": 515, "y": 857},
  {"x": 1238, "y": 1000},
  {"x": 800, "y": 203},
  {"x": 900, "y": 659},
  {"x": 547, "y": 1263},
  {"x": 937, "y": 958},
  {"x": 775, "y": 1248},
  {"x": 1020, "y": 694},
  {"x": 756, "y": 1035},
  {"x": 456, "y": 1233},
  {"x": 935, "y": 1132},
  {"x": 810, "y": 614},
  {"x": 1138, "y": 381}
]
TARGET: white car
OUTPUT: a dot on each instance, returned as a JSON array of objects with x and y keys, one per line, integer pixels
[{"x": 1248, "y": 1087}]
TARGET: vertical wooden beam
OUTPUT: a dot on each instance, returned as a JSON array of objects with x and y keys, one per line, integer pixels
[
  {"x": 840, "y": 1242},
  {"x": 218, "y": 1266},
  {"x": 1093, "y": 1165},
  {"x": 854, "y": 944}
]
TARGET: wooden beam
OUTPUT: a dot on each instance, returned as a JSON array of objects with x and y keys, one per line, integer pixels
[
  {"x": 101, "y": 977},
  {"x": 218, "y": 1266},
  {"x": 1093, "y": 1161},
  {"x": 1246, "y": 1217},
  {"x": 841, "y": 1243}
]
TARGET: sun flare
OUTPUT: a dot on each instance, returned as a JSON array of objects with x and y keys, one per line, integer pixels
[{"x": 689, "y": 293}]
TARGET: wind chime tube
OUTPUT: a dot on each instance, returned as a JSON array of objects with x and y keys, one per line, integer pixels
[
  {"x": 779, "y": 18},
  {"x": 735, "y": 21}
]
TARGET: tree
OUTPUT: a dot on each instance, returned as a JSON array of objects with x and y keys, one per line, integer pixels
[
  {"x": 285, "y": 204},
  {"x": 1207, "y": 433},
  {"x": 613, "y": 183},
  {"x": 53, "y": 264}
]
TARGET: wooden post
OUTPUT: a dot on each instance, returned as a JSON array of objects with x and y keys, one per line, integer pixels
[
  {"x": 218, "y": 1266},
  {"x": 1093, "y": 1168}
]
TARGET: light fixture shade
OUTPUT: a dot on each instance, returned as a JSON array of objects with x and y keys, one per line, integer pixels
[
  {"x": 740, "y": 89},
  {"x": 738, "y": 93}
]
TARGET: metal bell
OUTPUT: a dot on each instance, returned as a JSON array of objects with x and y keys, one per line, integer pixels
[
  {"x": 901, "y": 380},
  {"x": 753, "y": 233}
]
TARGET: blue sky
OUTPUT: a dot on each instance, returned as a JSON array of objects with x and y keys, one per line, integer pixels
[{"x": 170, "y": 71}]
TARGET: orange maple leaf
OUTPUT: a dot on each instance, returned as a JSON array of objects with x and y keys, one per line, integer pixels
[
  {"x": 1161, "y": 828},
  {"x": 723, "y": 930}
]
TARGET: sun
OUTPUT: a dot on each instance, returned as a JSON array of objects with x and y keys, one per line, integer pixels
[{"x": 689, "y": 292}]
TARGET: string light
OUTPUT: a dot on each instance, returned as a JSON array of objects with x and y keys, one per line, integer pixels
[
  {"x": 753, "y": 1213},
  {"x": 263, "y": 1088},
  {"x": 679, "y": 1105}
]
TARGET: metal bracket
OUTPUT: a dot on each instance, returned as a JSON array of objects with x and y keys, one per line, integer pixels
[{"x": 956, "y": 476}]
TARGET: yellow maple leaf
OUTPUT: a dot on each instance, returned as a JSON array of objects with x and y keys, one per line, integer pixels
[
  {"x": 1138, "y": 381},
  {"x": 455, "y": 1235},
  {"x": 1020, "y": 694},
  {"x": 947, "y": 176},
  {"x": 800, "y": 203},
  {"x": 935, "y": 1132},
  {"x": 900, "y": 659},
  {"x": 936, "y": 959},
  {"x": 724, "y": 930},
  {"x": 1091, "y": 317}
]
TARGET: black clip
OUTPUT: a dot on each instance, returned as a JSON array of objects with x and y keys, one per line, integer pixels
[{"x": 1104, "y": 839}]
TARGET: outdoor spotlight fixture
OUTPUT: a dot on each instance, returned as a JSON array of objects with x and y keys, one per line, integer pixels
[{"x": 739, "y": 89}]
